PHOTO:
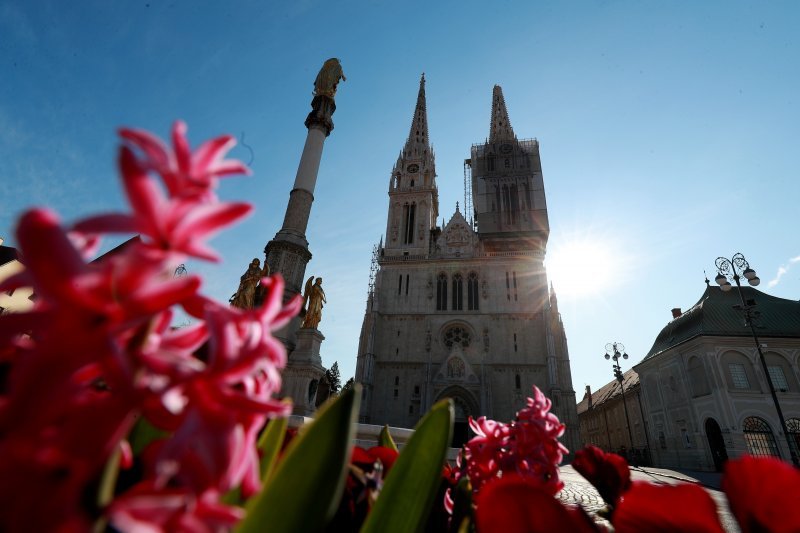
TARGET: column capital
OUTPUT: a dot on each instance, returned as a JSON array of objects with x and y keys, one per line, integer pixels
[{"x": 321, "y": 116}]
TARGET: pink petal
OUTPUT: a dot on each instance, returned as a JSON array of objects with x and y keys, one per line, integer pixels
[
  {"x": 155, "y": 150},
  {"x": 108, "y": 223},
  {"x": 183, "y": 153}
]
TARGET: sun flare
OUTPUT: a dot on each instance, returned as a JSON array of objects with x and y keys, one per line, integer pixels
[{"x": 580, "y": 267}]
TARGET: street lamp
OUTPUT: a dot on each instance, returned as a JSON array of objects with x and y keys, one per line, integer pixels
[
  {"x": 735, "y": 268},
  {"x": 615, "y": 350}
]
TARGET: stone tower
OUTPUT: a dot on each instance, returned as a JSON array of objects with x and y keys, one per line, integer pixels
[{"x": 464, "y": 310}]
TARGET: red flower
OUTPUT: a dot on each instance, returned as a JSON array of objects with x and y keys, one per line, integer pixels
[
  {"x": 528, "y": 446},
  {"x": 516, "y": 504},
  {"x": 365, "y": 459},
  {"x": 185, "y": 174},
  {"x": 608, "y": 472},
  {"x": 179, "y": 224},
  {"x": 764, "y": 494},
  {"x": 666, "y": 508}
]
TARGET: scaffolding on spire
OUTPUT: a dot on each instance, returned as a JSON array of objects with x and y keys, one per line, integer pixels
[
  {"x": 468, "y": 209},
  {"x": 373, "y": 269}
]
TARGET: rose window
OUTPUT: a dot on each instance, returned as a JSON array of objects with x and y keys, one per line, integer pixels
[{"x": 456, "y": 335}]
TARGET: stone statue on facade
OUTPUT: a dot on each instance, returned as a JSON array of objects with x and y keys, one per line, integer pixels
[
  {"x": 245, "y": 295},
  {"x": 328, "y": 78},
  {"x": 313, "y": 301}
]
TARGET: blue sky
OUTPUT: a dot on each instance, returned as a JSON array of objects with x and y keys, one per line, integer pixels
[{"x": 668, "y": 131}]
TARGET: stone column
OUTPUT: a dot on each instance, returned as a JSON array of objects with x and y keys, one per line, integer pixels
[
  {"x": 302, "y": 377},
  {"x": 288, "y": 252}
]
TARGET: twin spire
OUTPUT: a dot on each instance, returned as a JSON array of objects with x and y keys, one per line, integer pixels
[
  {"x": 417, "y": 143},
  {"x": 500, "y": 128}
]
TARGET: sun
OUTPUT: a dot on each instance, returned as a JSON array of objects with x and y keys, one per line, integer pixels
[{"x": 581, "y": 267}]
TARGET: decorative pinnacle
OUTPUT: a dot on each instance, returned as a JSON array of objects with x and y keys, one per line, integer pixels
[
  {"x": 500, "y": 129},
  {"x": 417, "y": 142}
]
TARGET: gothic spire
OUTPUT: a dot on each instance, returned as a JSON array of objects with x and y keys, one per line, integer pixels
[
  {"x": 500, "y": 129},
  {"x": 417, "y": 143}
]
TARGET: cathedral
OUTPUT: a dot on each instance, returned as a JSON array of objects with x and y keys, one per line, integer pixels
[{"x": 464, "y": 310}]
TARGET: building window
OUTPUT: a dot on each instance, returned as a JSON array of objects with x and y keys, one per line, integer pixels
[
  {"x": 472, "y": 291},
  {"x": 518, "y": 382},
  {"x": 458, "y": 293},
  {"x": 456, "y": 335},
  {"x": 406, "y": 284},
  {"x": 662, "y": 440},
  {"x": 455, "y": 368},
  {"x": 759, "y": 437},
  {"x": 739, "y": 376},
  {"x": 793, "y": 427},
  {"x": 490, "y": 164},
  {"x": 416, "y": 390},
  {"x": 396, "y": 381},
  {"x": 411, "y": 409},
  {"x": 395, "y": 393},
  {"x": 441, "y": 292},
  {"x": 400, "y": 284},
  {"x": 778, "y": 378},
  {"x": 408, "y": 223}
]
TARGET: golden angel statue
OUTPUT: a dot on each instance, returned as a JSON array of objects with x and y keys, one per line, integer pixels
[
  {"x": 313, "y": 300},
  {"x": 245, "y": 295},
  {"x": 328, "y": 78}
]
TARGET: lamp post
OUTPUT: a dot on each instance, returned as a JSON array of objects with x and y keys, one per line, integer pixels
[
  {"x": 615, "y": 350},
  {"x": 735, "y": 268}
]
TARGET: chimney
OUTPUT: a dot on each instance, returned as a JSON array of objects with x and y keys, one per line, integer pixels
[
  {"x": 589, "y": 395},
  {"x": 676, "y": 312}
]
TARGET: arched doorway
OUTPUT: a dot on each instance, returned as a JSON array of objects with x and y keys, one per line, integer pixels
[
  {"x": 464, "y": 405},
  {"x": 717, "y": 444}
]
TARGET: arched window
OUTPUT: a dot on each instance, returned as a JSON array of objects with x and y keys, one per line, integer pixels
[
  {"x": 458, "y": 292},
  {"x": 738, "y": 371},
  {"x": 793, "y": 428},
  {"x": 441, "y": 292},
  {"x": 514, "y": 203},
  {"x": 409, "y": 212},
  {"x": 759, "y": 438},
  {"x": 697, "y": 378},
  {"x": 472, "y": 291}
]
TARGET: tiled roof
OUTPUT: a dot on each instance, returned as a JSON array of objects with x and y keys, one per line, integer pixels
[
  {"x": 609, "y": 391},
  {"x": 714, "y": 315}
]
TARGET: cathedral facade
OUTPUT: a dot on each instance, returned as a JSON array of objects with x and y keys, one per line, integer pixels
[{"x": 464, "y": 311}]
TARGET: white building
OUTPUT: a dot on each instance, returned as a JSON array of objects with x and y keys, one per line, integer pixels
[
  {"x": 705, "y": 393},
  {"x": 464, "y": 310},
  {"x": 15, "y": 300}
]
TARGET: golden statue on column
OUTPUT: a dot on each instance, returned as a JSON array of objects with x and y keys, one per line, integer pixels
[
  {"x": 245, "y": 295},
  {"x": 313, "y": 301}
]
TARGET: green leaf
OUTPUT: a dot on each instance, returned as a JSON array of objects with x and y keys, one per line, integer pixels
[
  {"x": 411, "y": 486},
  {"x": 142, "y": 434},
  {"x": 304, "y": 491},
  {"x": 385, "y": 438},
  {"x": 269, "y": 444}
]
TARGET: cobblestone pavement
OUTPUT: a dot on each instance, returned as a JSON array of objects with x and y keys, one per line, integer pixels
[{"x": 579, "y": 491}]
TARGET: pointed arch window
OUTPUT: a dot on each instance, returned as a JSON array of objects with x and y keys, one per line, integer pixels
[
  {"x": 458, "y": 292},
  {"x": 441, "y": 292},
  {"x": 409, "y": 211},
  {"x": 472, "y": 291}
]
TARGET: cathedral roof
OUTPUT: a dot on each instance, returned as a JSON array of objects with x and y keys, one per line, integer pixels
[
  {"x": 714, "y": 315},
  {"x": 500, "y": 128}
]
